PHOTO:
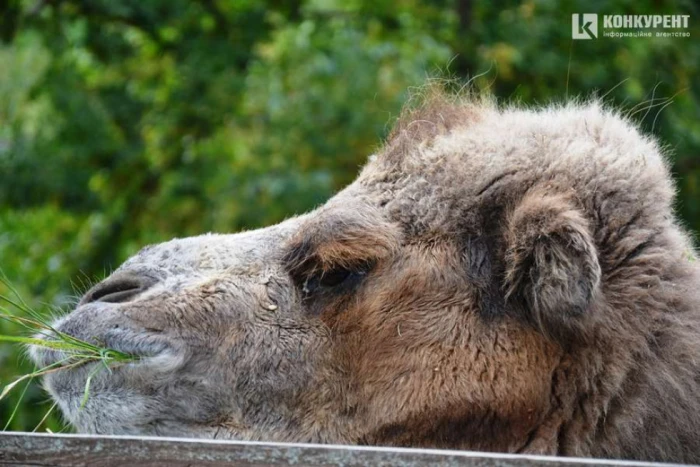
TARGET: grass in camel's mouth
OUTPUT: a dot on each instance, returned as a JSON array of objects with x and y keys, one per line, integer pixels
[{"x": 74, "y": 352}]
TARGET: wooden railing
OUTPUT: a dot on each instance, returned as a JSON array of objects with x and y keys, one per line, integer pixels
[{"x": 81, "y": 450}]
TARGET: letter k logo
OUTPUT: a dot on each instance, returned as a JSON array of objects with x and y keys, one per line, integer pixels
[{"x": 584, "y": 26}]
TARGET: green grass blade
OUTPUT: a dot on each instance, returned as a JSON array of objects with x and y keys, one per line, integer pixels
[
  {"x": 88, "y": 381},
  {"x": 6, "y": 390},
  {"x": 59, "y": 365},
  {"x": 4, "y": 280},
  {"x": 19, "y": 402},
  {"x": 23, "y": 308},
  {"x": 45, "y": 417},
  {"x": 57, "y": 345}
]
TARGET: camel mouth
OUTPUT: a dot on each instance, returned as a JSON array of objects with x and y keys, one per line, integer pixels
[{"x": 117, "y": 348}]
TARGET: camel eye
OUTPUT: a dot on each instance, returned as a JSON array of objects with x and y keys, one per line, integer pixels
[
  {"x": 325, "y": 280},
  {"x": 334, "y": 278},
  {"x": 328, "y": 281}
]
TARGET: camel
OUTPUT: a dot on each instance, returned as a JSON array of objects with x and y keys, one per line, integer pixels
[{"x": 497, "y": 278}]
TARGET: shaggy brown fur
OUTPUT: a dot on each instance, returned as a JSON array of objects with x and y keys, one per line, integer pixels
[{"x": 495, "y": 279}]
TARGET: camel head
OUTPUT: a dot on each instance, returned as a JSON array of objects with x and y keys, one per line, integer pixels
[{"x": 495, "y": 279}]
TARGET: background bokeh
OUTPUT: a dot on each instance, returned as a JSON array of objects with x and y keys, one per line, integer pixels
[{"x": 129, "y": 122}]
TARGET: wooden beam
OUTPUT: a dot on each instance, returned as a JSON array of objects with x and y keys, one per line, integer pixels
[{"x": 103, "y": 451}]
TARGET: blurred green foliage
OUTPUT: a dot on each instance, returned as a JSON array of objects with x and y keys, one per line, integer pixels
[{"x": 124, "y": 123}]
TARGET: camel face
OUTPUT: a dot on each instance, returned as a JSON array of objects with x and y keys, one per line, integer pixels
[{"x": 500, "y": 280}]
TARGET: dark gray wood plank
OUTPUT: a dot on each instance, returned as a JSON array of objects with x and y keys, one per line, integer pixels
[{"x": 80, "y": 450}]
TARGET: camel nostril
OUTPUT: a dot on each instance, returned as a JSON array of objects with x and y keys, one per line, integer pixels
[{"x": 117, "y": 289}]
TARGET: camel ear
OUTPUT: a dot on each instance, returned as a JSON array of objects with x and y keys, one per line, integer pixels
[{"x": 551, "y": 264}]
